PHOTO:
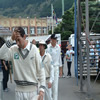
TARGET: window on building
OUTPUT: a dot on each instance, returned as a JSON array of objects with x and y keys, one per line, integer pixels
[
  {"x": 39, "y": 30},
  {"x": 44, "y": 30},
  {"x": 13, "y": 28},
  {"x": 32, "y": 30},
  {"x": 8, "y": 28},
  {"x": 25, "y": 29},
  {"x": 50, "y": 28}
]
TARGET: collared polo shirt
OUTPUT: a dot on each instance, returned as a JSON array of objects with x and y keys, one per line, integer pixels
[{"x": 55, "y": 53}]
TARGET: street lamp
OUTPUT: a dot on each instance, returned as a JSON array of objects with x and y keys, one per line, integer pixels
[
  {"x": 62, "y": 7},
  {"x": 20, "y": 20},
  {"x": 28, "y": 26}
]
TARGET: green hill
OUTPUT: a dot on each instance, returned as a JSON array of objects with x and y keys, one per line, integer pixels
[{"x": 32, "y": 8}]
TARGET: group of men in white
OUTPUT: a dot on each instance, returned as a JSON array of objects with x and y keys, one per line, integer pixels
[{"x": 36, "y": 72}]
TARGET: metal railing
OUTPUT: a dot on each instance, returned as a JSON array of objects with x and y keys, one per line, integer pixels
[{"x": 94, "y": 53}]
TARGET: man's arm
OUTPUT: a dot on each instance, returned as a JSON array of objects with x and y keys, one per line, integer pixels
[
  {"x": 5, "y": 51},
  {"x": 60, "y": 61},
  {"x": 5, "y": 65},
  {"x": 50, "y": 62},
  {"x": 41, "y": 74},
  {"x": 72, "y": 52},
  {"x": 67, "y": 55}
]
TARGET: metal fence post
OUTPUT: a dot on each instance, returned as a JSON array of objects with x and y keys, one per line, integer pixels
[{"x": 87, "y": 47}]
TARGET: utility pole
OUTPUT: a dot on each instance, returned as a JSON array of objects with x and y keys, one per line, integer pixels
[
  {"x": 62, "y": 7},
  {"x": 52, "y": 18},
  {"x": 75, "y": 40},
  {"x": 87, "y": 46},
  {"x": 80, "y": 42},
  {"x": 47, "y": 25}
]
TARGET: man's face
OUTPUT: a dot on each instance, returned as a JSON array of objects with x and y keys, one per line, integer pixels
[
  {"x": 67, "y": 43},
  {"x": 19, "y": 40},
  {"x": 69, "y": 47},
  {"x": 41, "y": 47},
  {"x": 33, "y": 42},
  {"x": 53, "y": 41}
]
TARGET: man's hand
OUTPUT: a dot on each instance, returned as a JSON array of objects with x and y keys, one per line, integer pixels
[
  {"x": 6, "y": 68},
  {"x": 13, "y": 36},
  {"x": 41, "y": 94},
  {"x": 49, "y": 85},
  {"x": 71, "y": 53},
  {"x": 67, "y": 57}
]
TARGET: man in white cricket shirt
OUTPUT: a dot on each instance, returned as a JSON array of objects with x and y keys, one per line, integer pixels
[
  {"x": 27, "y": 66},
  {"x": 49, "y": 69},
  {"x": 55, "y": 52}
]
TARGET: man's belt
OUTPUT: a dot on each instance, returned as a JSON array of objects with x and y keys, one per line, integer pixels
[{"x": 25, "y": 83}]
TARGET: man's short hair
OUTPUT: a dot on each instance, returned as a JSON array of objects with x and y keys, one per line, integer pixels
[
  {"x": 53, "y": 36},
  {"x": 20, "y": 30}
]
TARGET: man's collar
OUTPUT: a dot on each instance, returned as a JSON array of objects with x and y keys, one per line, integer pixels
[
  {"x": 44, "y": 54},
  {"x": 27, "y": 46}
]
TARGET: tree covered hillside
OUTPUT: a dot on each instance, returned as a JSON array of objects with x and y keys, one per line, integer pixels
[{"x": 31, "y": 8}]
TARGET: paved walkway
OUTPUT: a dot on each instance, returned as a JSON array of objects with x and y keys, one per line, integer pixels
[{"x": 68, "y": 90}]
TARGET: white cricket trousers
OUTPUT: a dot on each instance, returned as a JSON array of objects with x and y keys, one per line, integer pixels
[
  {"x": 26, "y": 95},
  {"x": 55, "y": 83},
  {"x": 48, "y": 95}
]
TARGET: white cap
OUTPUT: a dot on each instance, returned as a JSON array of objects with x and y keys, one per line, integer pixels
[{"x": 43, "y": 42}]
